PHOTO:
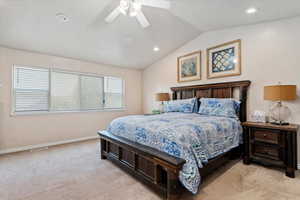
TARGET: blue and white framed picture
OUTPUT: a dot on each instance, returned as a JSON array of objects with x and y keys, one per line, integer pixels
[
  {"x": 189, "y": 67},
  {"x": 224, "y": 60}
]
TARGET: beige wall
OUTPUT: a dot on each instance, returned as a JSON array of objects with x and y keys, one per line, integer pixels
[
  {"x": 270, "y": 53},
  {"x": 19, "y": 131}
]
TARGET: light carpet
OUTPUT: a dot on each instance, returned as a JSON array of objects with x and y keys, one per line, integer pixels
[{"x": 75, "y": 172}]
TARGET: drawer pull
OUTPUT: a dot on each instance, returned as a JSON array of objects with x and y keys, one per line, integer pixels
[{"x": 265, "y": 135}]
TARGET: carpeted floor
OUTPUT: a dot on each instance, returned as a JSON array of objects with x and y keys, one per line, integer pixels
[{"x": 75, "y": 172}]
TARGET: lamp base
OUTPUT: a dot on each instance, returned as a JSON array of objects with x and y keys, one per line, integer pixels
[{"x": 280, "y": 114}]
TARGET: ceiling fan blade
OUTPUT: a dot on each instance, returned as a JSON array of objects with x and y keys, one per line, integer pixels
[
  {"x": 113, "y": 15},
  {"x": 157, "y": 3},
  {"x": 142, "y": 19}
]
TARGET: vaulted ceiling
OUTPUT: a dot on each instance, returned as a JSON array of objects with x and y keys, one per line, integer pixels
[{"x": 32, "y": 25}]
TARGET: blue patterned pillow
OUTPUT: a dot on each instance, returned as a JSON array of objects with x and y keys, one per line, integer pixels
[
  {"x": 185, "y": 105},
  {"x": 219, "y": 107}
]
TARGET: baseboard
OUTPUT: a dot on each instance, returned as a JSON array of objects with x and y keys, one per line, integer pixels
[{"x": 31, "y": 147}]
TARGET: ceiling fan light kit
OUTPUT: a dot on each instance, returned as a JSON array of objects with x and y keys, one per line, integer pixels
[
  {"x": 124, "y": 6},
  {"x": 133, "y": 8}
]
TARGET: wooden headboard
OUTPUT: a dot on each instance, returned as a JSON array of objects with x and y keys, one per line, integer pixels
[{"x": 216, "y": 90}]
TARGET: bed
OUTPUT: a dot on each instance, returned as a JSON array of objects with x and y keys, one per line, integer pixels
[{"x": 172, "y": 150}]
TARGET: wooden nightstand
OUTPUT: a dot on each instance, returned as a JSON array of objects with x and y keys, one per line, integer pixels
[{"x": 271, "y": 145}]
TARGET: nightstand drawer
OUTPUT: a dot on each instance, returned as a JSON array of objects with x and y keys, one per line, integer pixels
[
  {"x": 266, "y": 152},
  {"x": 266, "y": 136}
]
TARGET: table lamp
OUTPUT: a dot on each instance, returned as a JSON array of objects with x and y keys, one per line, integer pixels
[
  {"x": 280, "y": 113},
  {"x": 162, "y": 97}
]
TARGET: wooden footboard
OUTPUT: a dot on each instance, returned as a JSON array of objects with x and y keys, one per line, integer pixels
[{"x": 155, "y": 168}]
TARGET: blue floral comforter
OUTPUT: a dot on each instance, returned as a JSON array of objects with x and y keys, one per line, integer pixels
[{"x": 193, "y": 137}]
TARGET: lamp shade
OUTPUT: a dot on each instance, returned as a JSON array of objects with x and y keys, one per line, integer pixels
[
  {"x": 280, "y": 92},
  {"x": 162, "y": 97}
]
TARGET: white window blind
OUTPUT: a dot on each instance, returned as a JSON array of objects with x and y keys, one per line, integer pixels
[
  {"x": 38, "y": 89},
  {"x": 113, "y": 90},
  {"x": 31, "y": 88},
  {"x": 65, "y": 94},
  {"x": 91, "y": 93}
]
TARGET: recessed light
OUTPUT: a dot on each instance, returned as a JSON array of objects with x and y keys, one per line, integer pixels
[
  {"x": 62, "y": 17},
  {"x": 251, "y": 10},
  {"x": 156, "y": 49}
]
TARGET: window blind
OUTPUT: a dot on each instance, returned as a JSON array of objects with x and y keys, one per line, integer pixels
[
  {"x": 113, "y": 90},
  {"x": 65, "y": 94},
  {"x": 31, "y": 87},
  {"x": 91, "y": 92}
]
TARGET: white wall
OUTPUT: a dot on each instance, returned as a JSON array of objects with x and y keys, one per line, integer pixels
[
  {"x": 19, "y": 131},
  {"x": 270, "y": 53}
]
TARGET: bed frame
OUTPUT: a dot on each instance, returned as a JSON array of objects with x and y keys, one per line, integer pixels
[{"x": 157, "y": 169}]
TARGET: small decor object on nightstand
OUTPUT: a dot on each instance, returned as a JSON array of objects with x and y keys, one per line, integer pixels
[
  {"x": 258, "y": 116},
  {"x": 271, "y": 145},
  {"x": 156, "y": 112},
  {"x": 280, "y": 113},
  {"x": 162, "y": 97}
]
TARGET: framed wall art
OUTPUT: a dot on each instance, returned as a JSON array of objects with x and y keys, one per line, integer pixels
[
  {"x": 189, "y": 67},
  {"x": 224, "y": 60}
]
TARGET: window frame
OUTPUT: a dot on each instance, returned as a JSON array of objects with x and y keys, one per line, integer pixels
[{"x": 60, "y": 70}]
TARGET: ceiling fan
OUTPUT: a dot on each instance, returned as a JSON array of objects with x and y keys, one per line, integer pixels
[{"x": 133, "y": 8}]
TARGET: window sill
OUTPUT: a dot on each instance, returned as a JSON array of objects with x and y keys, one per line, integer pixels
[{"x": 13, "y": 114}]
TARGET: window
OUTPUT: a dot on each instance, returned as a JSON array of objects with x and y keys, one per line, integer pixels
[
  {"x": 31, "y": 88},
  {"x": 64, "y": 91},
  {"x": 44, "y": 90},
  {"x": 113, "y": 91},
  {"x": 92, "y": 96}
]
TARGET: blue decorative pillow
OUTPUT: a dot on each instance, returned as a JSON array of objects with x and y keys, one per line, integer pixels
[
  {"x": 185, "y": 105},
  {"x": 219, "y": 107}
]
